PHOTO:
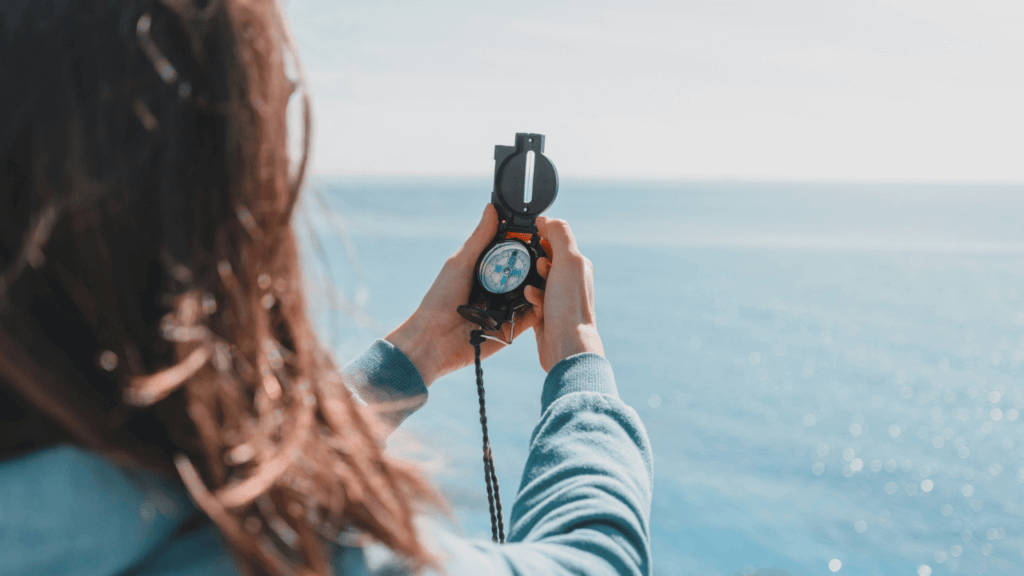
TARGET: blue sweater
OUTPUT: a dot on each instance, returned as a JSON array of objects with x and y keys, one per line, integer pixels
[{"x": 583, "y": 506}]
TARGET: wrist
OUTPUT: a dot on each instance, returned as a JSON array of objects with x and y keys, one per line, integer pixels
[
  {"x": 420, "y": 351},
  {"x": 584, "y": 339}
]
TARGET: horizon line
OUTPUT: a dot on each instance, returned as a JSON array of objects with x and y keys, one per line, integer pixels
[{"x": 691, "y": 178}]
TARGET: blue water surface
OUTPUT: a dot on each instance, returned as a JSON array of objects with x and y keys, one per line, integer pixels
[{"x": 830, "y": 374}]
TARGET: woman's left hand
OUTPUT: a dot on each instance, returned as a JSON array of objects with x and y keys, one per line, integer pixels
[{"x": 436, "y": 338}]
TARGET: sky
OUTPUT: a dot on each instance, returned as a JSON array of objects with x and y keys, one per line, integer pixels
[{"x": 851, "y": 91}]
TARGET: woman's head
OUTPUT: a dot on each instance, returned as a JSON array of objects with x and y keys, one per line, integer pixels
[{"x": 151, "y": 301}]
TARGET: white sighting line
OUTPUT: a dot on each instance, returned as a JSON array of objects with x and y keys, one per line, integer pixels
[{"x": 528, "y": 181}]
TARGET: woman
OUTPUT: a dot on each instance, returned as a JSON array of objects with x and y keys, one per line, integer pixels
[{"x": 164, "y": 398}]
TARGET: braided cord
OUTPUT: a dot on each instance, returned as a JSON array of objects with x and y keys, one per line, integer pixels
[{"x": 476, "y": 338}]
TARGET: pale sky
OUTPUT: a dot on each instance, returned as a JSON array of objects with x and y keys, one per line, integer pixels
[{"x": 855, "y": 90}]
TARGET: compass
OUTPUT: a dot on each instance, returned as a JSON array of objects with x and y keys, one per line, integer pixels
[
  {"x": 504, "y": 267},
  {"x": 525, "y": 185}
]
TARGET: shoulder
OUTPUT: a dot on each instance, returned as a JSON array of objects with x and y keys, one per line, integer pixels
[{"x": 72, "y": 509}]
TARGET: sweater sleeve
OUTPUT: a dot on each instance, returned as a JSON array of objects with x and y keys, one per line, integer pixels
[
  {"x": 585, "y": 496},
  {"x": 385, "y": 380},
  {"x": 584, "y": 502}
]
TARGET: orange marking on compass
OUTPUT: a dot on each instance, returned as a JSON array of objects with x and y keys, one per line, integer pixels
[
  {"x": 520, "y": 235},
  {"x": 525, "y": 237}
]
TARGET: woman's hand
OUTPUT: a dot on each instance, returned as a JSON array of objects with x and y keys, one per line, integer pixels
[
  {"x": 436, "y": 338},
  {"x": 566, "y": 323}
]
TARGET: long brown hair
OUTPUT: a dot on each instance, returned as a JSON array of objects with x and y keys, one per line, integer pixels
[{"x": 151, "y": 302}]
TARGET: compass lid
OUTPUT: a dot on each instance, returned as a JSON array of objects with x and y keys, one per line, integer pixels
[{"x": 525, "y": 181}]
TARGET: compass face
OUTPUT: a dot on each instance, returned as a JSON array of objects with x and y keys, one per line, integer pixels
[{"x": 504, "y": 267}]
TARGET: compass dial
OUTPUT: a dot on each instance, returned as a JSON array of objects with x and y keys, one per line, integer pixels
[{"x": 504, "y": 267}]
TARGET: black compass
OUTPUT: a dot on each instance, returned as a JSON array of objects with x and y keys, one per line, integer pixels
[{"x": 525, "y": 185}]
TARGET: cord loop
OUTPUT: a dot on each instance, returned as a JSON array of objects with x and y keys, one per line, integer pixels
[{"x": 476, "y": 338}]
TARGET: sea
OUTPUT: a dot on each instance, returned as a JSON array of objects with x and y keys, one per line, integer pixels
[{"x": 830, "y": 373}]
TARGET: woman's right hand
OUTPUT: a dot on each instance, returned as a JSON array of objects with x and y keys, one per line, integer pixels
[{"x": 566, "y": 320}]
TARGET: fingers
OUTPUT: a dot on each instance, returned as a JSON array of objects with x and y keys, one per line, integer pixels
[
  {"x": 535, "y": 296},
  {"x": 527, "y": 320},
  {"x": 543, "y": 268},
  {"x": 558, "y": 233}
]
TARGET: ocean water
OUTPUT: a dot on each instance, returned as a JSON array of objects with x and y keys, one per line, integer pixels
[{"x": 830, "y": 374}]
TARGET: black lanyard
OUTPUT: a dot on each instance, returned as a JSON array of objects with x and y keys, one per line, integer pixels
[{"x": 476, "y": 338}]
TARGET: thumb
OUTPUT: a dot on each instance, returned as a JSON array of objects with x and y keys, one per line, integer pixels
[
  {"x": 558, "y": 233},
  {"x": 483, "y": 234}
]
